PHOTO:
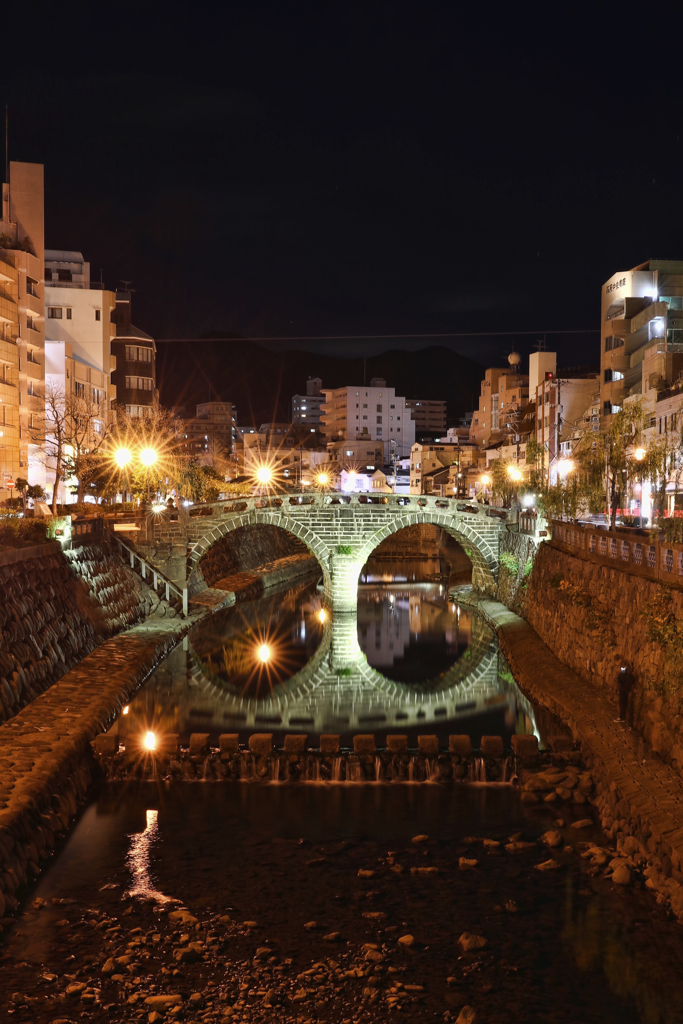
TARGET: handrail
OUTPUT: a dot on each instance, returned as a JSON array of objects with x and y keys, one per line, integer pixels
[{"x": 156, "y": 574}]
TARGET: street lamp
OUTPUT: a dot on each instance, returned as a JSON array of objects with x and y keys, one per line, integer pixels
[
  {"x": 264, "y": 475},
  {"x": 148, "y": 458},
  {"x": 122, "y": 456}
]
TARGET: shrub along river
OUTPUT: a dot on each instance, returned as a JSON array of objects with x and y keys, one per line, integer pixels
[{"x": 340, "y": 902}]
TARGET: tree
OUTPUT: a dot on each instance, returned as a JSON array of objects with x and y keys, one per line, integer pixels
[
  {"x": 200, "y": 483},
  {"x": 21, "y": 484},
  {"x": 49, "y": 433},
  {"x": 87, "y": 437},
  {"x": 157, "y": 432},
  {"x": 605, "y": 460}
]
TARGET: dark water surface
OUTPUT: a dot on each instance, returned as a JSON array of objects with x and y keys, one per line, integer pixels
[{"x": 561, "y": 946}]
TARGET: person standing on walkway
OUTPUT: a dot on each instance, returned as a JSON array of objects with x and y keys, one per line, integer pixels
[{"x": 625, "y": 682}]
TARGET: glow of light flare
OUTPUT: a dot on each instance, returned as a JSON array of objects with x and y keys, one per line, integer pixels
[
  {"x": 514, "y": 473},
  {"x": 322, "y": 479},
  {"x": 158, "y": 508},
  {"x": 264, "y": 653},
  {"x": 122, "y": 457},
  {"x": 264, "y": 474},
  {"x": 148, "y": 456},
  {"x": 150, "y": 741},
  {"x": 322, "y": 615},
  {"x": 486, "y": 480},
  {"x": 126, "y": 710},
  {"x": 639, "y": 454}
]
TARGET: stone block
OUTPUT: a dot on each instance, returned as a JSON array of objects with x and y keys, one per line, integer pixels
[
  {"x": 397, "y": 744},
  {"x": 460, "y": 745},
  {"x": 329, "y": 745},
  {"x": 106, "y": 744},
  {"x": 229, "y": 743},
  {"x": 428, "y": 745},
  {"x": 492, "y": 746},
  {"x": 295, "y": 743},
  {"x": 261, "y": 743},
  {"x": 199, "y": 744},
  {"x": 561, "y": 744},
  {"x": 364, "y": 744},
  {"x": 525, "y": 746}
]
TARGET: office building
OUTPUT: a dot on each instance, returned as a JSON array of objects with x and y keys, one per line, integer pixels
[
  {"x": 306, "y": 409},
  {"x": 641, "y": 321},
  {"x": 22, "y": 324},
  {"x": 429, "y": 416},
  {"x": 134, "y": 374},
  {"x": 373, "y": 413}
]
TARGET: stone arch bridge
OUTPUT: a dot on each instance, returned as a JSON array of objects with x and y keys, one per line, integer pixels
[{"x": 342, "y": 531}]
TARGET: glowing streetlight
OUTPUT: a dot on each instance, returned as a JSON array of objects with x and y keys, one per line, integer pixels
[
  {"x": 264, "y": 475},
  {"x": 264, "y": 653},
  {"x": 150, "y": 741},
  {"x": 148, "y": 457},
  {"x": 639, "y": 454},
  {"x": 322, "y": 479},
  {"x": 322, "y": 615},
  {"x": 486, "y": 480},
  {"x": 565, "y": 466},
  {"x": 122, "y": 457},
  {"x": 514, "y": 473}
]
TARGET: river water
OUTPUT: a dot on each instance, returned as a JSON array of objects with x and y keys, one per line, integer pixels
[{"x": 275, "y": 867}]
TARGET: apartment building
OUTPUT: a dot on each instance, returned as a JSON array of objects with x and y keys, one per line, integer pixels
[
  {"x": 641, "y": 320},
  {"x": 78, "y": 328},
  {"x": 375, "y": 413},
  {"x": 429, "y": 416},
  {"x": 22, "y": 324},
  {"x": 428, "y": 459},
  {"x": 307, "y": 409},
  {"x": 504, "y": 394},
  {"x": 212, "y": 430},
  {"x": 134, "y": 351},
  {"x": 562, "y": 402}
]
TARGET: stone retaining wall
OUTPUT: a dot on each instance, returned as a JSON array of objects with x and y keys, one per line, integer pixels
[
  {"x": 56, "y": 607},
  {"x": 587, "y": 612},
  {"x": 45, "y": 753}
]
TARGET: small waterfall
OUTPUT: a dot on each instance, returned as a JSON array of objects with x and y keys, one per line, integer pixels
[
  {"x": 336, "y": 769},
  {"x": 378, "y": 770},
  {"x": 504, "y": 770},
  {"x": 275, "y": 769},
  {"x": 477, "y": 770},
  {"x": 245, "y": 766},
  {"x": 411, "y": 769},
  {"x": 313, "y": 769},
  {"x": 205, "y": 769},
  {"x": 430, "y": 770}
]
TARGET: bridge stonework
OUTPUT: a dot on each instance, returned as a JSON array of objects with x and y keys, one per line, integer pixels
[{"x": 342, "y": 532}]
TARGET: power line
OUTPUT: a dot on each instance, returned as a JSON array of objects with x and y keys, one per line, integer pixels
[{"x": 383, "y": 337}]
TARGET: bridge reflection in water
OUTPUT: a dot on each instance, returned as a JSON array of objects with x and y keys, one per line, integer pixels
[{"x": 210, "y": 685}]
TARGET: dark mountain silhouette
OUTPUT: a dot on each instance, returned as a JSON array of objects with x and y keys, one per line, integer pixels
[{"x": 261, "y": 383}]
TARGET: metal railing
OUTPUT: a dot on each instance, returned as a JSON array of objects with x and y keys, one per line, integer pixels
[{"x": 146, "y": 567}]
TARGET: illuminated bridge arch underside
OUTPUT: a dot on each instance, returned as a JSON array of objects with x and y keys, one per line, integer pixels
[
  {"x": 328, "y": 696},
  {"x": 342, "y": 536}
]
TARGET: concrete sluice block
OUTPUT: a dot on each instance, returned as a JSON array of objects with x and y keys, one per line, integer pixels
[{"x": 260, "y": 761}]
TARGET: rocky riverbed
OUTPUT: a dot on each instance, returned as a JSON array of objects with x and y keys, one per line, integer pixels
[{"x": 354, "y": 903}]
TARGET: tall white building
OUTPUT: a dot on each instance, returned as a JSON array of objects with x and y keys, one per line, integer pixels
[
  {"x": 306, "y": 408},
  {"x": 374, "y": 413}
]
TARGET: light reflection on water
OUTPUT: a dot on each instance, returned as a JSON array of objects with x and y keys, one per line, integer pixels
[
  {"x": 409, "y": 662},
  {"x": 138, "y": 861}
]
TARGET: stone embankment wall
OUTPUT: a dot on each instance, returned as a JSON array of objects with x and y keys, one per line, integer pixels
[
  {"x": 46, "y": 759},
  {"x": 517, "y": 552},
  {"x": 56, "y": 607},
  {"x": 587, "y": 613}
]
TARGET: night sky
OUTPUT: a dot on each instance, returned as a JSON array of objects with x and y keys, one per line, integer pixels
[{"x": 371, "y": 168}]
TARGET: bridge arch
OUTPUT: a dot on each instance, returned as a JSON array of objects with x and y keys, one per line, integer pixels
[
  {"x": 482, "y": 553},
  {"x": 266, "y": 517}
]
